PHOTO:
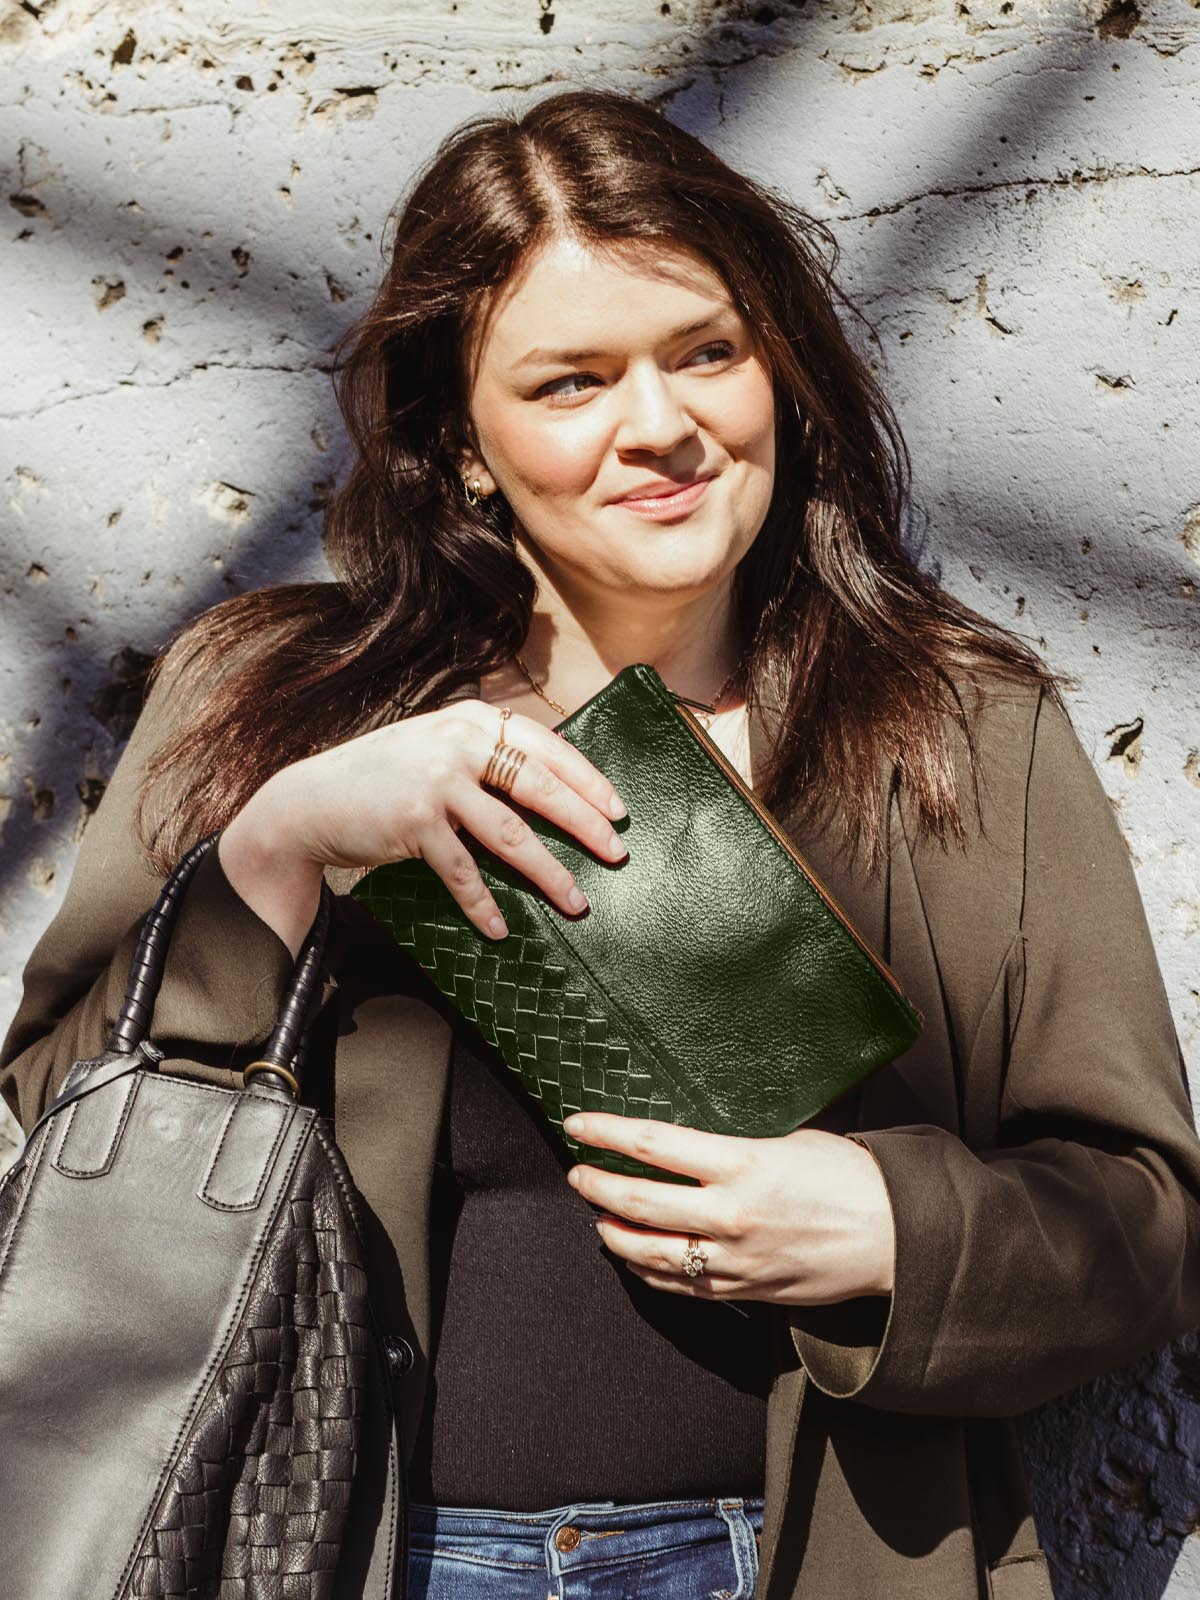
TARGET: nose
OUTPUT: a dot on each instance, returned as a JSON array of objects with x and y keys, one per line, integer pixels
[{"x": 652, "y": 417}]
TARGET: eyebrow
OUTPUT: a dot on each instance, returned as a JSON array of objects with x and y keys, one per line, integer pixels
[{"x": 570, "y": 356}]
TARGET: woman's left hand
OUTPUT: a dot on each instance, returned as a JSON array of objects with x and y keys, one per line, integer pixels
[{"x": 800, "y": 1220}]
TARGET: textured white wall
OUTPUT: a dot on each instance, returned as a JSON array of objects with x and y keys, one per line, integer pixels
[{"x": 195, "y": 197}]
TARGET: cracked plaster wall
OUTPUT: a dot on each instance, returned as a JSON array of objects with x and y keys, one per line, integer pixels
[{"x": 194, "y": 199}]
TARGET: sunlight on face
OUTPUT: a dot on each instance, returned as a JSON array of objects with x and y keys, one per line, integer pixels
[{"x": 636, "y": 399}]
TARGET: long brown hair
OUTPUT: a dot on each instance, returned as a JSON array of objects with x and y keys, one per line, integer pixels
[{"x": 841, "y": 629}]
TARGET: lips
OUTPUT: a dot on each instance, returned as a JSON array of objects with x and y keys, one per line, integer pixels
[
  {"x": 661, "y": 488},
  {"x": 681, "y": 501}
]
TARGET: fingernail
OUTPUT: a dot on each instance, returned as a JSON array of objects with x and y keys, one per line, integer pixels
[
  {"x": 616, "y": 808},
  {"x": 573, "y": 1124},
  {"x": 576, "y": 899},
  {"x": 497, "y": 928}
]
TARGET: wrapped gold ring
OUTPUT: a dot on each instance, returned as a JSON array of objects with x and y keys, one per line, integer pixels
[{"x": 505, "y": 761}]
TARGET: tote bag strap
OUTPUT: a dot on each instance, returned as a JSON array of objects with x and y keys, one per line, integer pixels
[
  {"x": 129, "y": 1046},
  {"x": 282, "y": 1057}
]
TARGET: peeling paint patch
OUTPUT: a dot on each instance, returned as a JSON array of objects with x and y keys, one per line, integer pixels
[
  {"x": 26, "y": 485},
  {"x": 1126, "y": 744},
  {"x": 981, "y": 306},
  {"x": 42, "y": 800},
  {"x": 123, "y": 54},
  {"x": 1125, "y": 291},
  {"x": 225, "y": 502},
  {"x": 41, "y": 874},
  {"x": 108, "y": 292},
  {"x": 1118, "y": 19},
  {"x": 861, "y": 66},
  {"x": 298, "y": 61},
  {"x": 356, "y": 104}
]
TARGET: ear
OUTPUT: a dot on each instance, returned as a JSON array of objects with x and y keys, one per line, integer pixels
[{"x": 471, "y": 466}]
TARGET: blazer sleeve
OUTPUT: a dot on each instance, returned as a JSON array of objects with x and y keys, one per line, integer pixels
[
  {"x": 225, "y": 972},
  {"x": 1073, "y": 1246}
]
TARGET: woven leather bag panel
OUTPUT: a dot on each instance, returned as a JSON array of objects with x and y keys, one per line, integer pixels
[
  {"x": 256, "y": 1503},
  {"x": 553, "y": 1033}
]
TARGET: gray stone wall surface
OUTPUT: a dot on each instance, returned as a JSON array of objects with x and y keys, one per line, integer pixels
[{"x": 194, "y": 202}]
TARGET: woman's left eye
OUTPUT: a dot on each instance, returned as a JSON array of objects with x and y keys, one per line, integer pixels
[
  {"x": 554, "y": 386},
  {"x": 722, "y": 349}
]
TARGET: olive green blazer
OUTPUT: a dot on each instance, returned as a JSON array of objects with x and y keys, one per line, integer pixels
[{"x": 1037, "y": 1143}]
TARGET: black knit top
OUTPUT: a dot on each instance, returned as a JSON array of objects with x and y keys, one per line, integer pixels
[{"x": 557, "y": 1374}]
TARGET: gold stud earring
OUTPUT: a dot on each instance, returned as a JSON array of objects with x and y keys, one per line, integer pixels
[{"x": 472, "y": 491}]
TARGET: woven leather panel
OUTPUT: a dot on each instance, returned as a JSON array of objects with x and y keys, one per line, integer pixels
[
  {"x": 256, "y": 1503},
  {"x": 550, "y": 1028}
]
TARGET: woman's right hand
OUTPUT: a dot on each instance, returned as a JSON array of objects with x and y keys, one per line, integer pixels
[{"x": 403, "y": 791}]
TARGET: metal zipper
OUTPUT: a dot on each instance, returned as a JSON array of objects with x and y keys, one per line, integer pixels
[{"x": 731, "y": 772}]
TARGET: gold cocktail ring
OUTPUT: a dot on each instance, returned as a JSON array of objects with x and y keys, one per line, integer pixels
[{"x": 694, "y": 1259}]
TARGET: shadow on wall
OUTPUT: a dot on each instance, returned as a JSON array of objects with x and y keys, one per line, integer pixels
[
  {"x": 1115, "y": 1471},
  {"x": 1114, "y": 1467}
]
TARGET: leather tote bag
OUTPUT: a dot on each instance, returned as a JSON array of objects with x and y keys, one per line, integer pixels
[{"x": 190, "y": 1376}]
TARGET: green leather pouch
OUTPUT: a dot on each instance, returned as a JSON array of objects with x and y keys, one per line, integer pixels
[{"x": 712, "y": 981}]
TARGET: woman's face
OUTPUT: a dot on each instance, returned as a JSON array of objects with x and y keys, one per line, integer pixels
[{"x": 597, "y": 376}]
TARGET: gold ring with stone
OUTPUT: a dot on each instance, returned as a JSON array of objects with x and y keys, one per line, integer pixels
[{"x": 694, "y": 1259}]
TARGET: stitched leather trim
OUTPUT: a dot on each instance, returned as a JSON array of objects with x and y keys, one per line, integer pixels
[
  {"x": 241, "y": 1150},
  {"x": 102, "y": 1160}
]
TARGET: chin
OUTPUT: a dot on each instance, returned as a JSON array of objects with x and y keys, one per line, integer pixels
[
  {"x": 667, "y": 581},
  {"x": 692, "y": 557}
]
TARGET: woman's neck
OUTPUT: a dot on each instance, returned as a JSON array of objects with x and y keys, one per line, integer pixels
[
  {"x": 570, "y": 665},
  {"x": 581, "y": 635},
  {"x": 508, "y": 686}
]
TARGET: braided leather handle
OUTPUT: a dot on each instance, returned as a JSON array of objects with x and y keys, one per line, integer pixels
[{"x": 283, "y": 1054}]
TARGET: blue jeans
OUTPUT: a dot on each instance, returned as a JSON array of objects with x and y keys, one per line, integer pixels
[{"x": 672, "y": 1550}]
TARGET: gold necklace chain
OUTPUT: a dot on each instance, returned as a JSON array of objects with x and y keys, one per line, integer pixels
[{"x": 704, "y": 712}]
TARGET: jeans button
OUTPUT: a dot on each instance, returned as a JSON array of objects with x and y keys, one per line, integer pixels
[
  {"x": 399, "y": 1355},
  {"x": 567, "y": 1539}
]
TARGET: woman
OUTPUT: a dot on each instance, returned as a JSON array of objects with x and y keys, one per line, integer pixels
[{"x": 605, "y": 412}]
